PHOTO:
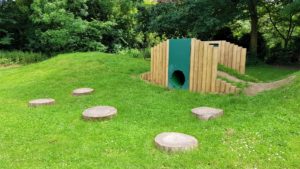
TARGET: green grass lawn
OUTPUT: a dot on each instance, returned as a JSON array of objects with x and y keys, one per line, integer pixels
[
  {"x": 269, "y": 73},
  {"x": 255, "y": 132}
]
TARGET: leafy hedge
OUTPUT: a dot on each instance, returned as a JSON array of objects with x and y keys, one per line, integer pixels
[{"x": 19, "y": 57}]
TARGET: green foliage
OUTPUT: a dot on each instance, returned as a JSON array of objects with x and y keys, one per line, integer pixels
[
  {"x": 5, "y": 62},
  {"x": 53, "y": 26},
  {"x": 236, "y": 74},
  {"x": 136, "y": 53},
  {"x": 15, "y": 22},
  {"x": 63, "y": 32},
  {"x": 188, "y": 18},
  {"x": 19, "y": 57},
  {"x": 130, "y": 52}
]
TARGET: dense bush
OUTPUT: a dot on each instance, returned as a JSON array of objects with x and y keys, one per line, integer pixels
[
  {"x": 53, "y": 26},
  {"x": 19, "y": 57},
  {"x": 136, "y": 53}
]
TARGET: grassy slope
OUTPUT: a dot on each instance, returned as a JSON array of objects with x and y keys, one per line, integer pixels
[
  {"x": 261, "y": 131},
  {"x": 268, "y": 73}
]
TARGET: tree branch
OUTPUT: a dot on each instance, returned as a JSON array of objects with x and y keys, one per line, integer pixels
[{"x": 273, "y": 23}]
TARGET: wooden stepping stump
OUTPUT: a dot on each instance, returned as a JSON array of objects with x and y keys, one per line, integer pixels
[
  {"x": 41, "y": 102},
  {"x": 82, "y": 91},
  {"x": 207, "y": 113},
  {"x": 99, "y": 113},
  {"x": 175, "y": 142}
]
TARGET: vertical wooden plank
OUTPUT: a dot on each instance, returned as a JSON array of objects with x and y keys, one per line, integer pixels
[
  {"x": 230, "y": 54},
  {"x": 227, "y": 52},
  {"x": 192, "y": 65},
  {"x": 220, "y": 48},
  {"x": 152, "y": 64},
  {"x": 160, "y": 65},
  {"x": 238, "y": 59},
  {"x": 218, "y": 85},
  {"x": 222, "y": 86},
  {"x": 196, "y": 66},
  {"x": 232, "y": 89},
  {"x": 216, "y": 55},
  {"x": 209, "y": 69},
  {"x": 156, "y": 64},
  {"x": 222, "y": 52},
  {"x": 243, "y": 61},
  {"x": 204, "y": 65},
  {"x": 233, "y": 61},
  {"x": 227, "y": 87},
  {"x": 167, "y": 63},
  {"x": 200, "y": 65},
  {"x": 163, "y": 64}
]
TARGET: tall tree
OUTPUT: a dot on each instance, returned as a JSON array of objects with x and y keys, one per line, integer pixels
[
  {"x": 283, "y": 16},
  {"x": 252, "y": 7}
]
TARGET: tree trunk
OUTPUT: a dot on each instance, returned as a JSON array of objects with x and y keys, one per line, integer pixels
[{"x": 252, "y": 4}]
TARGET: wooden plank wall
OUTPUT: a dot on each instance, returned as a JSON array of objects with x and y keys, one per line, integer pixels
[
  {"x": 231, "y": 55},
  {"x": 159, "y": 64},
  {"x": 146, "y": 76},
  {"x": 225, "y": 88},
  {"x": 203, "y": 68}
]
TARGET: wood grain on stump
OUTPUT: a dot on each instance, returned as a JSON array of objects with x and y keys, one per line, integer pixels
[
  {"x": 99, "y": 113},
  {"x": 83, "y": 91},
  {"x": 41, "y": 102},
  {"x": 174, "y": 142},
  {"x": 207, "y": 113}
]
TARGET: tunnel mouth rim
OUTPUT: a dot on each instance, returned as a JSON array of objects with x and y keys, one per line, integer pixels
[{"x": 178, "y": 79}]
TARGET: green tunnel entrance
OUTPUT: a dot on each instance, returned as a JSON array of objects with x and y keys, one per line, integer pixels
[
  {"x": 179, "y": 63},
  {"x": 177, "y": 79}
]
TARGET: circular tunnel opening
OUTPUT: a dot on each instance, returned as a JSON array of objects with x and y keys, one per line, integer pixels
[{"x": 177, "y": 79}]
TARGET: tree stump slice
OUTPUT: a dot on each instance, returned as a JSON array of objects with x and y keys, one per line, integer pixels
[
  {"x": 41, "y": 102},
  {"x": 82, "y": 91},
  {"x": 207, "y": 113},
  {"x": 99, "y": 113},
  {"x": 175, "y": 142}
]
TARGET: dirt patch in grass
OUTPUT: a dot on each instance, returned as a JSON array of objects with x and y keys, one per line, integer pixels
[
  {"x": 8, "y": 66},
  {"x": 256, "y": 88}
]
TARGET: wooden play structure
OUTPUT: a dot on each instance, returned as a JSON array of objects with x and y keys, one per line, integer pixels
[{"x": 193, "y": 64}]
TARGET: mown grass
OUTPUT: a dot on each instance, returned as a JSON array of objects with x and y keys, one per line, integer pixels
[
  {"x": 268, "y": 72},
  {"x": 255, "y": 132},
  {"x": 236, "y": 74}
]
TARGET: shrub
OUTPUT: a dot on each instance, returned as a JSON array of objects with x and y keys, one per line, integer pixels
[
  {"x": 19, "y": 57},
  {"x": 5, "y": 62},
  {"x": 144, "y": 53},
  {"x": 132, "y": 52}
]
